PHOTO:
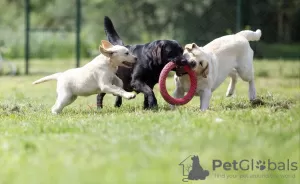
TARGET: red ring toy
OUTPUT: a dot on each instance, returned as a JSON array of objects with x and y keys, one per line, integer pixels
[{"x": 163, "y": 90}]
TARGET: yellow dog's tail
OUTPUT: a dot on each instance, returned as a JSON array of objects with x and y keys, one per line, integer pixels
[
  {"x": 47, "y": 78},
  {"x": 250, "y": 35}
]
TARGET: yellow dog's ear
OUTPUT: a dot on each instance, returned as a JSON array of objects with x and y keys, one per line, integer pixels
[
  {"x": 106, "y": 44},
  {"x": 190, "y": 46},
  {"x": 205, "y": 72},
  {"x": 105, "y": 52}
]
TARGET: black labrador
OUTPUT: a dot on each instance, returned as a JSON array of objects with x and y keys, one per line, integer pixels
[{"x": 152, "y": 57}]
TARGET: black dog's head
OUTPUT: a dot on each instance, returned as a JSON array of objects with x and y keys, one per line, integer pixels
[{"x": 165, "y": 51}]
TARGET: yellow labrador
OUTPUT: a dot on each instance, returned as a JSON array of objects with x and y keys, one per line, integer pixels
[
  {"x": 228, "y": 55},
  {"x": 97, "y": 76}
]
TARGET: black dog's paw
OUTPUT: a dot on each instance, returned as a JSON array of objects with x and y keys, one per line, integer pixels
[{"x": 151, "y": 106}]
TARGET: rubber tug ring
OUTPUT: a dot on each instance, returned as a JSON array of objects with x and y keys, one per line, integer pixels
[{"x": 163, "y": 89}]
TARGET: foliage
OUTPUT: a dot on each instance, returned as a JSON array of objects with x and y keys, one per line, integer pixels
[
  {"x": 142, "y": 21},
  {"x": 277, "y": 50}
]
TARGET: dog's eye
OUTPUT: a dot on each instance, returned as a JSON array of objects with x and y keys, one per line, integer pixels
[
  {"x": 201, "y": 63},
  {"x": 126, "y": 53}
]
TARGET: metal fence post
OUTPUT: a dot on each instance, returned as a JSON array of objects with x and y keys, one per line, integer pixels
[
  {"x": 27, "y": 29},
  {"x": 78, "y": 24}
]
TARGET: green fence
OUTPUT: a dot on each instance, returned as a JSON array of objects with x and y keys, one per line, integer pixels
[
  {"x": 74, "y": 28},
  {"x": 29, "y": 29}
]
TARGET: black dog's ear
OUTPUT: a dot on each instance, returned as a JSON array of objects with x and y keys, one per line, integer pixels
[{"x": 157, "y": 53}]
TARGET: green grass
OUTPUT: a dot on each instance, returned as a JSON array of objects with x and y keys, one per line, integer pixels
[{"x": 129, "y": 145}]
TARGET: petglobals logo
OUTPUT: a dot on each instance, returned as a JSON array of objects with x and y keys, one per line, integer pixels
[
  {"x": 251, "y": 165},
  {"x": 193, "y": 169}
]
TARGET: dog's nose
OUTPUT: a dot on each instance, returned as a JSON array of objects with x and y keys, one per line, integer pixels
[
  {"x": 135, "y": 59},
  {"x": 184, "y": 61},
  {"x": 181, "y": 61},
  {"x": 192, "y": 64}
]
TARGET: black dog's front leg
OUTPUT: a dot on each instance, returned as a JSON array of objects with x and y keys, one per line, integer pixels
[
  {"x": 100, "y": 100},
  {"x": 146, "y": 103},
  {"x": 118, "y": 101},
  {"x": 150, "y": 101}
]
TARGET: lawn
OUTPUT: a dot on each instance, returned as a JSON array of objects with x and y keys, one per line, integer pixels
[{"x": 129, "y": 145}]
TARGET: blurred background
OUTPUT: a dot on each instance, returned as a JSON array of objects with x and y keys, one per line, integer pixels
[{"x": 53, "y": 24}]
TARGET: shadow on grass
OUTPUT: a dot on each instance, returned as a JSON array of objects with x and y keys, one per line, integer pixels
[
  {"x": 7, "y": 109},
  {"x": 267, "y": 101}
]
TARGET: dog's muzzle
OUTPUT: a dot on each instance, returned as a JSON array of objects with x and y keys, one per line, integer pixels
[
  {"x": 127, "y": 64},
  {"x": 180, "y": 62},
  {"x": 179, "y": 70}
]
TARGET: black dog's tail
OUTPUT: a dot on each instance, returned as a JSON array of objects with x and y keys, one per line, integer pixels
[{"x": 111, "y": 33}]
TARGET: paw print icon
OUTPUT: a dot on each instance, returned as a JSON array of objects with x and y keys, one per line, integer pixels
[{"x": 260, "y": 165}]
